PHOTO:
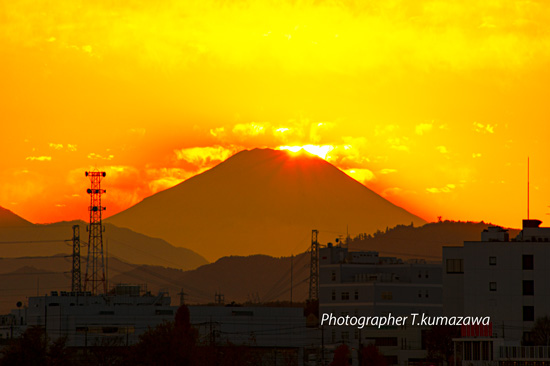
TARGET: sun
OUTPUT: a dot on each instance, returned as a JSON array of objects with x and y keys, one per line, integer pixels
[{"x": 319, "y": 150}]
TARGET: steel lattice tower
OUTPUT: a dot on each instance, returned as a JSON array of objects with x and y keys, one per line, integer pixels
[
  {"x": 314, "y": 267},
  {"x": 95, "y": 268},
  {"x": 76, "y": 284}
]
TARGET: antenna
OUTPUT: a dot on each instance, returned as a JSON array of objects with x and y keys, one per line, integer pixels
[
  {"x": 527, "y": 188},
  {"x": 314, "y": 267},
  {"x": 95, "y": 268}
]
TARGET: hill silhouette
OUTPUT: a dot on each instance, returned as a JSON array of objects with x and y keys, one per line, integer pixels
[
  {"x": 51, "y": 239},
  {"x": 408, "y": 242},
  {"x": 241, "y": 279},
  {"x": 262, "y": 201},
  {"x": 9, "y": 219}
]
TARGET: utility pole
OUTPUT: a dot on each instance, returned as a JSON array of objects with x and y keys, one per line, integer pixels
[
  {"x": 291, "y": 275},
  {"x": 76, "y": 283},
  {"x": 314, "y": 267},
  {"x": 182, "y": 297}
]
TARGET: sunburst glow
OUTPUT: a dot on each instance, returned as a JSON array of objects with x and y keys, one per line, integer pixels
[{"x": 321, "y": 151}]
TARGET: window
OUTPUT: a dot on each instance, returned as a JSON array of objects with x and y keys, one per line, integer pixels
[
  {"x": 492, "y": 286},
  {"x": 528, "y": 313},
  {"x": 385, "y": 341},
  {"x": 356, "y": 295},
  {"x": 345, "y": 295},
  {"x": 333, "y": 295},
  {"x": 345, "y": 336},
  {"x": 528, "y": 287},
  {"x": 528, "y": 261},
  {"x": 492, "y": 261},
  {"x": 387, "y": 295},
  {"x": 426, "y": 275},
  {"x": 455, "y": 266},
  {"x": 333, "y": 276}
]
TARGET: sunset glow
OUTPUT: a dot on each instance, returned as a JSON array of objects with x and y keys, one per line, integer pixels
[{"x": 434, "y": 105}]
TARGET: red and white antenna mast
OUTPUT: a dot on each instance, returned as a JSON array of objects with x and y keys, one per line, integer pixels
[{"x": 95, "y": 269}]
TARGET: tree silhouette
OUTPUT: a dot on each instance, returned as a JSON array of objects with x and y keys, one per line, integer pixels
[
  {"x": 371, "y": 356},
  {"x": 341, "y": 356},
  {"x": 33, "y": 348},
  {"x": 169, "y": 343},
  {"x": 541, "y": 331}
]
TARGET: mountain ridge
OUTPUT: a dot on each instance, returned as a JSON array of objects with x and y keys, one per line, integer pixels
[{"x": 259, "y": 200}]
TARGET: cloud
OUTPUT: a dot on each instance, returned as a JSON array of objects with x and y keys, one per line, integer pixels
[
  {"x": 387, "y": 171},
  {"x": 204, "y": 156},
  {"x": 56, "y": 146},
  {"x": 71, "y": 147},
  {"x": 249, "y": 129},
  {"x": 95, "y": 156},
  {"x": 481, "y": 128},
  {"x": 476, "y": 155},
  {"x": 39, "y": 158},
  {"x": 442, "y": 149},
  {"x": 423, "y": 127},
  {"x": 446, "y": 189},
  {"x": 360, "y": 175}
]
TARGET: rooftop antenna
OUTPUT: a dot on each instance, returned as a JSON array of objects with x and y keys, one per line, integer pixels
[{"x": 527, "y": 188}]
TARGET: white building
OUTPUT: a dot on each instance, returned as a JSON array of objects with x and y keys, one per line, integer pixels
[
  {"x": 365, "y": 284},
  {"x": 508, "y": 280}
]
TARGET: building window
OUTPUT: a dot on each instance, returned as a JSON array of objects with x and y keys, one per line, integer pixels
[
  {"x": 492, "y": 286},
  {"x": 387, "y": 295},
  {"x": 426, "y": 295},
  {"x": 426, "y": 275},
  {"x": 528, "y": 287},
  {"x": 528, "y": 313},
  {"x": 345, "y": 295},
  {"x": 455, "y": 266},
  {"x": 356, "y": 295},
  {"x": 492, "y": 261},
  {"x": 345, "y": 336},
  {"x": 385, "y": 341},
  {"x": 528, "y": 261},
  {"x": 419, "y": 274},
  {"x": 420, "y": 293},
  {"x": 333, "y": 295},
  {"x": 333, "y": 277}
]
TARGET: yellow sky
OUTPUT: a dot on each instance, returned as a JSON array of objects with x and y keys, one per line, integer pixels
[{"x": 435, "y": 105}]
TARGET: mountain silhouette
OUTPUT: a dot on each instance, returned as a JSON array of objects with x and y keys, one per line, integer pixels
[
  {"x": 9, "y": 219},
  {"x": 51, "y": 239},
  {"x": 262, "y": 201}
]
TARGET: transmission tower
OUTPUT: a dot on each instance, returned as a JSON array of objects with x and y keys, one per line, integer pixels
[
  {"x": 95, "y": 269},
  {"x": 314, "y": 267},
  {"x": 76, "y": 283}
]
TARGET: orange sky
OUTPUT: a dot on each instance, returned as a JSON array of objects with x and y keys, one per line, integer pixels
[{"x": 435, "y": 105}]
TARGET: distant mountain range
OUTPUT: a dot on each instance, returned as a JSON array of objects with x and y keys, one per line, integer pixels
[
  {"x": 262, "y": 201},
  {"x": 240, "y": 279},
  {"x": 22, "y": 239}
]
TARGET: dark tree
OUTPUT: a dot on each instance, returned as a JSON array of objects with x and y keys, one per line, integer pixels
[
  {"x": 341, "y": 356},
  {"x": 541, "y": 331},
  {"x": 33, "y": 348},
  {"x": 439, "y": 342},
  {"x": 170, "y": 343},
  {"x": 371, "y": 356}
]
